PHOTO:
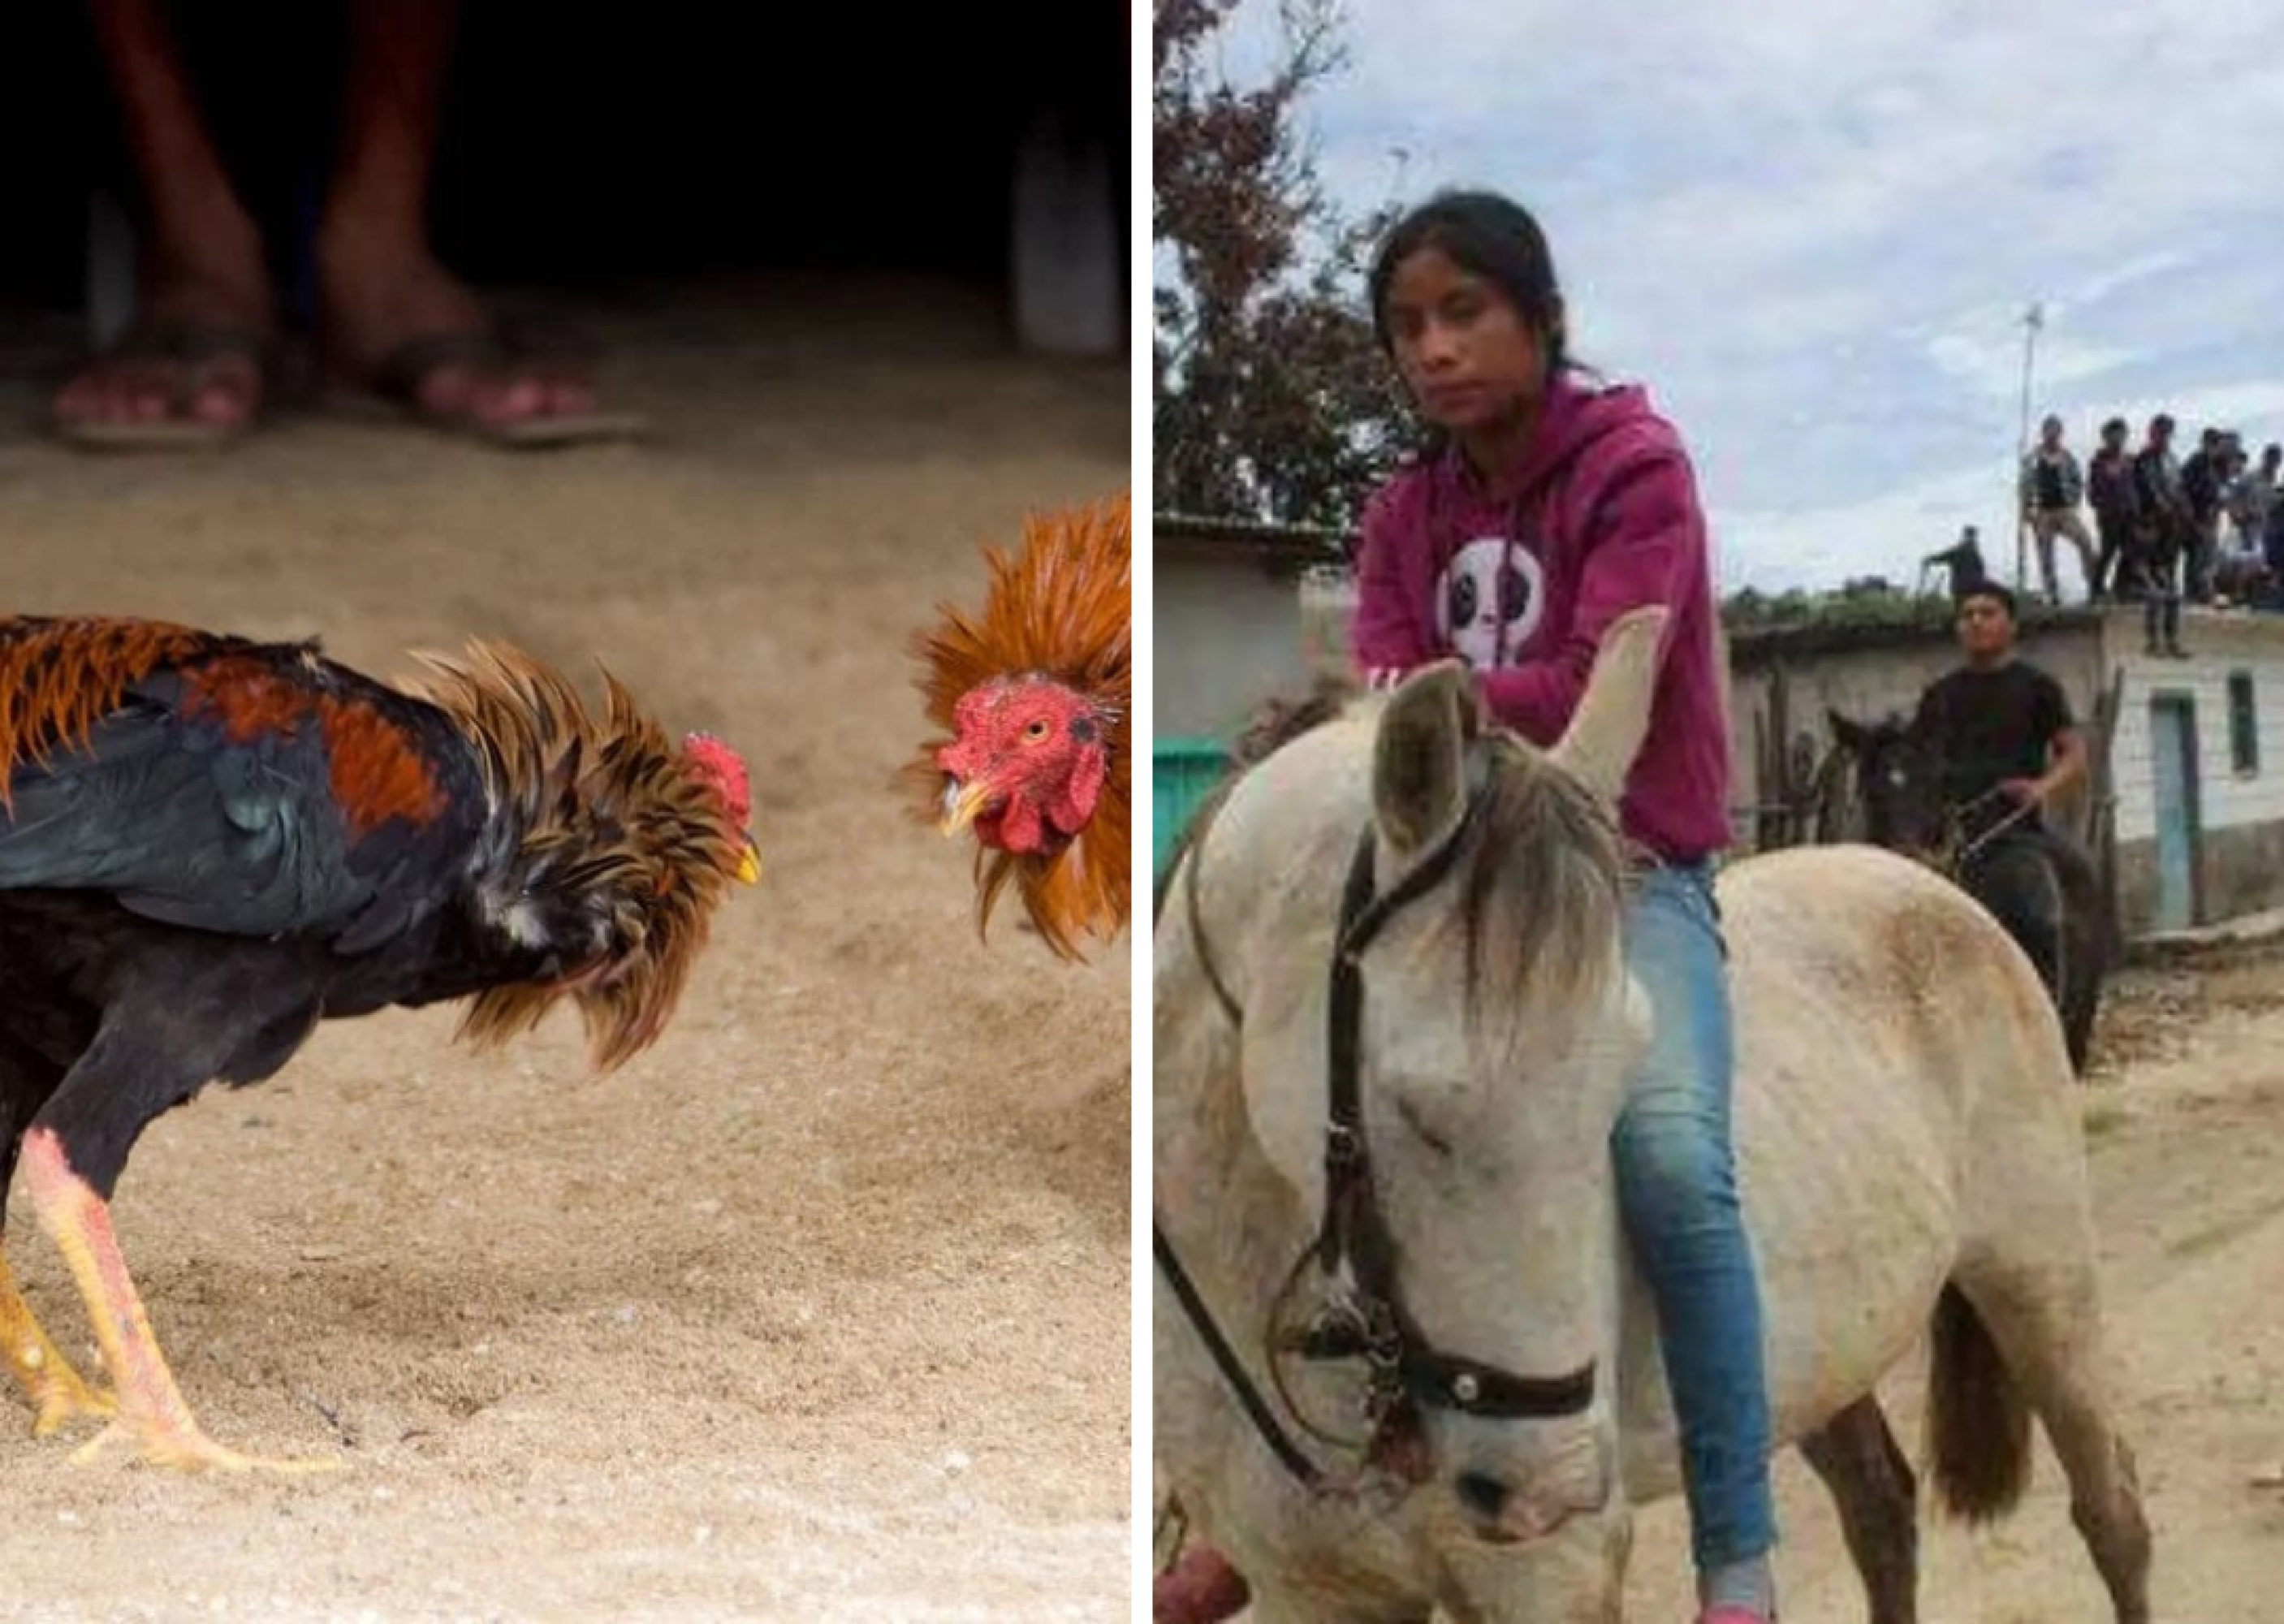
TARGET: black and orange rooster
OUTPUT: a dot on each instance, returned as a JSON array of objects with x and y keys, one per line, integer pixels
[
  {"x": 1036, "y": 697},
  {"x": 208, "y": 844}
]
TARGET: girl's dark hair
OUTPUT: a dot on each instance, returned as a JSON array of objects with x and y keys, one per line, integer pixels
[{"x": 1493, "y": 237}]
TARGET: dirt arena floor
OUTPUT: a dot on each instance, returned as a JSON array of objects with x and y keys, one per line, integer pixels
[
  {"x": 818, "y": 1311},
  {"x": 2186, "y": 1118}
]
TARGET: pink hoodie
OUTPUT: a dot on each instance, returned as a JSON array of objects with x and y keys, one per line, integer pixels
[{"x": 1606, "y": 520}]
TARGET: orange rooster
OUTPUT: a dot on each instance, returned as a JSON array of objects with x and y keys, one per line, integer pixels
[
  {"x": 1035, "y": 696},
  {"x": 208, "y": 845}
]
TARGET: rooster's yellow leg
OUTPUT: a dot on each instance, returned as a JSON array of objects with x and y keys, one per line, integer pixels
[
  {"x": 56, "y": 1390},
  {"x": 152, "y": 1416}
]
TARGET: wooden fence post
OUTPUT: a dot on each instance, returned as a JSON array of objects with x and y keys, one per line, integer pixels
[{"x": 1776, "y": 758}]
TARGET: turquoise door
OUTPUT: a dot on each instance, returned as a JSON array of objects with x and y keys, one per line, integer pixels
[
  {"x": 1183, "y": 771},
  {"x": 2173, "y": 762}
]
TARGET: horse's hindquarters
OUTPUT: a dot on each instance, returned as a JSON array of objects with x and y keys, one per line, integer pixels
[{"x": 1903, "y": 1097}]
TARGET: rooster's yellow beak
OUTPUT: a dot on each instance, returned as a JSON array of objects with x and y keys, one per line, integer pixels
[
  {"x": 962, "y": 807},
  {"x": 749, "y": 862}
]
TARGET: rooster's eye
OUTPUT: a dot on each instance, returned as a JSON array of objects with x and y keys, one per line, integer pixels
[{"x": 1036, "y": 730}]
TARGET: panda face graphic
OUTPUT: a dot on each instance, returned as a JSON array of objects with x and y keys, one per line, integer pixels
[{"x": 1489, "y": 601}]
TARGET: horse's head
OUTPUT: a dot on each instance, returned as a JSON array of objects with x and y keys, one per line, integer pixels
[
  {"x": 1490, "y": 1134},
  {"x": 1492, "y": 1034},
  {"x": 1899, "y": 782}
]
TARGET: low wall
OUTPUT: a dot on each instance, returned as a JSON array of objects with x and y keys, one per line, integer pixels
[{"x": 2239, "y": 870}]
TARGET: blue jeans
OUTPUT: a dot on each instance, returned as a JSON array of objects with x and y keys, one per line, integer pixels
[{"x": 1678, "y": 1195}]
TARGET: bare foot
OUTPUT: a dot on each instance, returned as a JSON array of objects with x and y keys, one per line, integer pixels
[
  {"x": 381, "y": 296},
  {"x": 194, "y": 353}
]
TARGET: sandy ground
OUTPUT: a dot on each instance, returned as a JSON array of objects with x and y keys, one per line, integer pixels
[
  {"x": 820, "y": 1310},
  {"x": 2184, "y": 1113}
]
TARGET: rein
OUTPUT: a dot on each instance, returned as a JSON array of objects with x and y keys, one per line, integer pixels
[
  {"x": 1364, "y": 1317},
  {"x": 1956, "y": 852},
  {"x": 1973, "y": 849}
]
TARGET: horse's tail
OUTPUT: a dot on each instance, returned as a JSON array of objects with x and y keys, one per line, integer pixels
[{"x": 1978, "y": 1426}]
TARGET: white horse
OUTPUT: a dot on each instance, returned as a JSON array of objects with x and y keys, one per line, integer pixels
[{"x": 1911, "y": 1159}]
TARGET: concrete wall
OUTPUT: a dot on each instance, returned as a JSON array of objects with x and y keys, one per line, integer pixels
[
  {"x": 1226, "y": 635},
  {"x": 2239, "y": 871}
]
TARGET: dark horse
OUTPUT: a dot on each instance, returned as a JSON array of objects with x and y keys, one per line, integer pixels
[{"x": 2041, "y": 886}]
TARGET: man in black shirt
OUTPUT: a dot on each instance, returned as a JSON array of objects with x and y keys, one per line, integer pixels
[
  {"x": 1963, "y": 559},
  {"x": 2109, "y": 492},
  {"x": 2002, "y": 742},
  {"x": 2203, "y": 474},
  {"x": 2163, "y": 531}
]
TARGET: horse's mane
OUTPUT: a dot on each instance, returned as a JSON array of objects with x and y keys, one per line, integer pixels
[
  {"x": 1546, "y": 872},
  {"x": 1548, "y": 875}
]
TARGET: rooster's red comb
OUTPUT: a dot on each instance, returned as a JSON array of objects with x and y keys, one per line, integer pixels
[{"x": 725, "y": 769}]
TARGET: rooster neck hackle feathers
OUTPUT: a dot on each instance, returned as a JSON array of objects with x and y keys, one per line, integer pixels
[
  {"x": 598, "y": 815},
  {"x": 1060, "y": 609}
]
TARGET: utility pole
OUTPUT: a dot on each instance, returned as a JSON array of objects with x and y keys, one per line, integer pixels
[{"x": 2034, "y": 321}]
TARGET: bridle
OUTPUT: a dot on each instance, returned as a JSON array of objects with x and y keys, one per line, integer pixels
[
  {"x": 1957, "y": 851},
  {"x": 1363, "y": 1316},
  {"x": 1950, "y": 853}
]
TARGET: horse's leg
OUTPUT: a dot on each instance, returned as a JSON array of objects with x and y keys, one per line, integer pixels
[
  {"x": 2046, "y": 1320},
  {"x": 1870, "y": 1482}
]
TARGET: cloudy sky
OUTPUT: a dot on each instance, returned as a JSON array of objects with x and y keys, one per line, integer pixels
[{"x": 1813, "y": 230}]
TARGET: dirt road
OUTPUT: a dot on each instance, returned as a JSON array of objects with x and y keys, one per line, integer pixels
[{"x": 820, "y": 1311}]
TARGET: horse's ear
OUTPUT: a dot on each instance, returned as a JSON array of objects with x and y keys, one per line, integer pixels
[
  {"x": 1418, "y": 765},
  {"x": 1606, "y": 730},
  {"x": 1850, "y": 733}
]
